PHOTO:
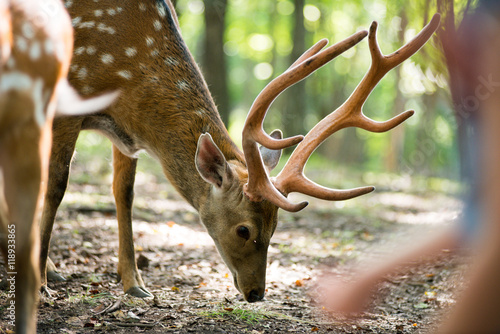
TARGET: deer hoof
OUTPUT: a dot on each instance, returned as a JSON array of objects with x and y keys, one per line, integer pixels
[
  {"x": 53, "y": 276},
  {"x": 140, "y": 292},
  {"x": 46, "y": 291}
]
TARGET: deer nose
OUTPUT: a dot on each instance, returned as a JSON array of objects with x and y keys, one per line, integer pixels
[{"x": 254, "y": 296}]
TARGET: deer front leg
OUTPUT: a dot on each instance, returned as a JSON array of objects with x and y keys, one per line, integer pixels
[
  {"x": 65, "y": 133},
  {"x": 21, "y": 164},
  {"x": 123, "y": 190}
]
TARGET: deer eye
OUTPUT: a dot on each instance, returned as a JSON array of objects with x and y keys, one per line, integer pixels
[{"x": 243, "y": 232}]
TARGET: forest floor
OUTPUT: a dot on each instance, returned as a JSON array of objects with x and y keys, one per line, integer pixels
[{"x": 193, "y": 289}]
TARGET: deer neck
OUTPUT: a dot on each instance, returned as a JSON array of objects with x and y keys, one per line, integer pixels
[{"x": 164, "y": 105}]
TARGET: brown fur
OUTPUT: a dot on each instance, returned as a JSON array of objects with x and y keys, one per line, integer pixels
[
  {"x": 25, "y": 129},
  {"x": 164, "y": 108}
]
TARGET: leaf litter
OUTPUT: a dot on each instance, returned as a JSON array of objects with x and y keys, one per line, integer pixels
[{"x": 193, "y": 289}]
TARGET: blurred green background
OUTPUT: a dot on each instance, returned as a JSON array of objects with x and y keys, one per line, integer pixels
[{"x": 242, "y": 45}]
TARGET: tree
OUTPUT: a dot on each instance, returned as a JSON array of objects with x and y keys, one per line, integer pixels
[
  {"x": 295, "y": 106},
  {"x": 214, "y": 62}
]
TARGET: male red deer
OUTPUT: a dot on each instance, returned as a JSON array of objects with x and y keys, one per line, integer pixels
[
  {"x": 166, "y": 109},
  {"x": 35, "y": 51}
]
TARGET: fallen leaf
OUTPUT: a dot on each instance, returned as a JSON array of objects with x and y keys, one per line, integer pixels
[
  {"x": 229, "y": 309},
  {"x": 314, "y": 329},
  {"x": 175, "y": 289},
  {"x": 99, "y": 308},
  {"x": 170, "y": 224},
  {"x": 299, "y": 283},
  {"x": 132, "y": 315}
]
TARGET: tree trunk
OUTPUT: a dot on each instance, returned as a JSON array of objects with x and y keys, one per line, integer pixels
[
  {"x": 295, "y": 106},
  {"x": 213, "y": 61}
]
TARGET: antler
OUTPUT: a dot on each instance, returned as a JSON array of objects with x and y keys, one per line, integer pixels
[
  {"x": 259, "y": 186},
  {"x": 292, "y": 178}
]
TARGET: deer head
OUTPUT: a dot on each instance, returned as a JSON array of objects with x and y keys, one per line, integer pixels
[{"x": 241, "y": 213}]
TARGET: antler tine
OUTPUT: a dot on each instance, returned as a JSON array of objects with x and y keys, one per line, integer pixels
[
  {"x": 292, "y": 178},
  {"x": 259, "y": 186},
  {"x": 311, "y": 52}
]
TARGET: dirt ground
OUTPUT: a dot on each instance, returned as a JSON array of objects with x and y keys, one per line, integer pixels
[{"x": 193, "y": 289}]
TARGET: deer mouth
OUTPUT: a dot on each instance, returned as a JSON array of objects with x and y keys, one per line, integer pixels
[{"x": 252, "y": 296}]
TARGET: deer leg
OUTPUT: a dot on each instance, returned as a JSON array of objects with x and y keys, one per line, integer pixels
[
  {"x": 65, "y": 133},
  {"x": 123, "y": 190},
  {"x": 22, "y": 168}
]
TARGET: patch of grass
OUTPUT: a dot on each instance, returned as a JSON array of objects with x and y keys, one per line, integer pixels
[{"x": 250, "y": 317}]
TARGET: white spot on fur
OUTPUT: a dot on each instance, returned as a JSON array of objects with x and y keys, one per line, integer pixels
[
  {"x": 104, "y": 28},
  {"x": 98, "y": 12},
  {"x": 88, "y": 24},
  {"x": 131, "y": 51},
  {"x": 150, "y": 41},
  {"x": 171, "y": 61},
  {"x": 111, "y": 11},
  {"x": 15, "y": 81},
  {"x": 142, "y": 6},
  {"x": 22, "y": 82},
  {"x": 27, "y": 30},
  {"x": 91, "y": 50},
  {"x": 125, "y": 74},
  {"x": 35, "y": 50},
  {"x": 49, "y": 46},
  {"x": 21, "y": 44},
  {"x": 79, "y": 50},
  {"x": 76, "y": 21},
  {"x": 155, "y": 53},
  {"x": 73, "y": 68},
  {"x": 157, "y": 24},
  {"x": 107, "y": 58},
  {"x": 182, "y": 85},
  {"x": 119, "y": 9},
  {"x": 82, "y": 73},
  {"x": 68, "y": 3},
  {"x": 161, "y": 10},
  {"x": 87, "y": 89}
]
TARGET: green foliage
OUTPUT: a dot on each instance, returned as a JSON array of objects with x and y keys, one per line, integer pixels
[{"x": 258, "y": 44}]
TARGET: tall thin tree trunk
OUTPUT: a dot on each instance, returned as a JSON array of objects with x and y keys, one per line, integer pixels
[
  {"x": 213, "y": 61},
  {"x": 295, "y": 107}
]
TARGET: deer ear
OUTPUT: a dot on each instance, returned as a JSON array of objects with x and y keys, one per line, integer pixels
[
  {"x": 210, "y": 162},
  {"x": 271, "y": 157}
]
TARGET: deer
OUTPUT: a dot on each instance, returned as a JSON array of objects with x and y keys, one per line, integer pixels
[
  {"x": 36, "y": 43},
  {"x": 166, "y": 110}
]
